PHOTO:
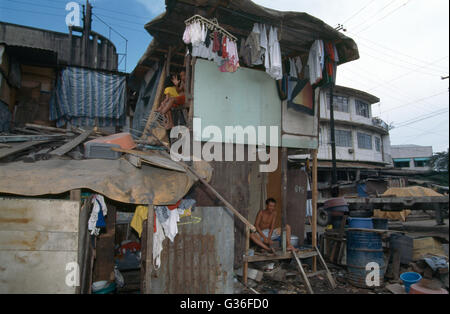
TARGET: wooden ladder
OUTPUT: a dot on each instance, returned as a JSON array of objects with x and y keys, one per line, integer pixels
[{"x": 305, "y": 276}]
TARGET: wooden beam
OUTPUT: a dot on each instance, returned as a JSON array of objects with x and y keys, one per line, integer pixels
[
  {"x": 18, "y": 148},
  {"x": 284, "y": 161},
  {"x": 149, "y": 250},
  {"x": 314, "y": 206},
  {"x": 62, "y": 150}
]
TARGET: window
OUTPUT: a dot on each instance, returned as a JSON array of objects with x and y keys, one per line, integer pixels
[
  {"x": 364, "y": 141},
  {"x": 362, "y": 108},
  {"x": 401, "y": 163},
  {"x": 421, "y": 162},
  {"x": 340, "y": 103},
  {"x": 377, "y": 144},
  {"x": 343, "y": 138}
]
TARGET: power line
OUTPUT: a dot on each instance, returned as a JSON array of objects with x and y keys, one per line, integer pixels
[
  {"x": 416, "y": 101},
  {"x": 376, "y": 13},
  {"x": 400, "y": 59},
  {"x": 105, "y": 9},
  {"x": 407, "y": 73},
  {"x": 359, "y": 11},
  {"x": 390, "y": 13},
  {"x": 422, "y": 118},
  {"x": 401, "y": 65},
  {"x": 390, "y": 49}
]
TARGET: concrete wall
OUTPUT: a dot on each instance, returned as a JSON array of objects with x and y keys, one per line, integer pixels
[
  {"x": 342, "y": 153},
  {"x": 245, "y": 98},
  {"x": 351, "y": 121},
  {"x": 100, "y": 53},
  {"x": 411, "y": 152}
]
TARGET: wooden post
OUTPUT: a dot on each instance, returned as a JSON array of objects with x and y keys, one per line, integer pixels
[
  {"x": 149, "y": 250},
  {"x": 314, "y": 207},
  {"x": 283, "y": 196},
  {"x": 191, "y": 100},
  {"x": 247, "y": 246}
]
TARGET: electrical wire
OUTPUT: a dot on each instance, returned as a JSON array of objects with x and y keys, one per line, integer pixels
[
  {"x": 359, "y": 11},
  {"x": 379, "y": 20}
]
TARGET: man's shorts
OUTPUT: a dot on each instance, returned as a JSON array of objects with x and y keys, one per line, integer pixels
[
  {"x": 275, "y": 234},
  {"x": 180, "y": 100}
]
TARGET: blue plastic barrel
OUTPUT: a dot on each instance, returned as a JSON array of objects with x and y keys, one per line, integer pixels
[
  {"x": 360, "y": 223},
  {"x": 364, "y": 248}
]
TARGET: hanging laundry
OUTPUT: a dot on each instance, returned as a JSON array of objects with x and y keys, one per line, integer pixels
[
  {"x": 158, "y": 238},
  {"x": 330, "y": 65},
  {"x": 170, "y": 225},
  {"x": 275, "y": 69},
  {"x": 99, "y": 210},
  {"x": 298, "y": 64},
  {"x": 292, "y": 68},
  {"x": 253, "y": 42},
  {"x": 264, "y": 43},
  {"x": 316, "y": 61}
]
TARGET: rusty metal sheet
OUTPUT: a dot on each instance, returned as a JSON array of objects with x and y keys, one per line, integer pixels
[
  {"x": 201, "y": 258},
  {"x": 115, "y": 179}
]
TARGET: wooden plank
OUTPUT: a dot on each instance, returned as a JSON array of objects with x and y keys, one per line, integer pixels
[
  {"x": 247, "y": 246},
  {"x": 38, "y": 241},
  {"x": 149, "y": 250},
  {"x": 19, "y": 148},
  {"x": 134, "y": 160},
  {"x": 27, "y": 138},
  {"x": 35, "y": 271},
  {"x": 39, "y": 215},
  {"x": 302, "y": 272},
  {"x": 153, "y": 159},
  {"x": 60, "y": 151},
  {"x": 263, "y": 258},
  {"x": 324, "y": 264}
]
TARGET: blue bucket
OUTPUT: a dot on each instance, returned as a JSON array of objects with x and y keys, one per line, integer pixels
[
  {"x": 364, "y": 248},
  {"x": 361, "y": 223},
  {"x": 409, "y": 279}
]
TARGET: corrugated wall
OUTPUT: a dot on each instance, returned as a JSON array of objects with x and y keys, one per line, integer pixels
[{"x": 201, "y": 258}]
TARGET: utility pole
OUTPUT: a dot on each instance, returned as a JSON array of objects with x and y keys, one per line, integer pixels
[{"x": 334, "y": 187}]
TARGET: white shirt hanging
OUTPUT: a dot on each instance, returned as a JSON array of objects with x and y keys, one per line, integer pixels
[
  {"x": 316, "y": 60},
  {"x": 275, "y": 70}
]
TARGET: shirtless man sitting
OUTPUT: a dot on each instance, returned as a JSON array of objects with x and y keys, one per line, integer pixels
[{"x": 265, "y": 224}]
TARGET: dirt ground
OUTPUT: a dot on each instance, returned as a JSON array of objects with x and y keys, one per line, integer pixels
[{"x": 416, "y": 226}]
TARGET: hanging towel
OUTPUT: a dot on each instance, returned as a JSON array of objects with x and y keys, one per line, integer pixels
[
  {"x": 158, "y": 238},
  {"x": 99, "y": 206},
  {"x": 139, "y": 216},
  {"x": 275, "y": 69}
]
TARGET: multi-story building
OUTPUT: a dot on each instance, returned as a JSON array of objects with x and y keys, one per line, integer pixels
[
  {"x": 362, "y": 140},
  {"x": 412, "y": 157}
]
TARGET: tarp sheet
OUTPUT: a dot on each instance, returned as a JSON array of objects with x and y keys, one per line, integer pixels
[
  {"x": 115, "y": 179},
  {"x": 416, "y": 191},
  {"x": 83, "y": 96}
]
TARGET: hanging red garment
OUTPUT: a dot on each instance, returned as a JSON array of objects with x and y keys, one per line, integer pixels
[
  {"x": 172, "y": 207},
  {"x": 224, "y": 47}
]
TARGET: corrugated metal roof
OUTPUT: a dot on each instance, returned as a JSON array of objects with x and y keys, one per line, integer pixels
[{"x": 297, "y": 30}]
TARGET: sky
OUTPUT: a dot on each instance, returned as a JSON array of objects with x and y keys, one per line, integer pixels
[{"x": 403, "y": 46}]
